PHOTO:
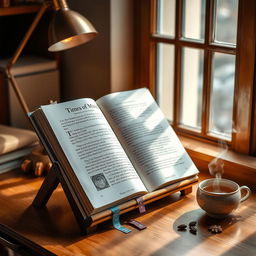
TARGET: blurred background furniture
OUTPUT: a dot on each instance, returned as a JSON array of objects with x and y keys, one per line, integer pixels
[{"x": 30, "y": 78}]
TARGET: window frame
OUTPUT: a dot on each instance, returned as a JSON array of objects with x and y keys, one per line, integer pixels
[{"x": 244, "y": 107}]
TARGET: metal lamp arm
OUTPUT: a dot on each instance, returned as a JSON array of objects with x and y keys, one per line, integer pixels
[{"x": 16, "y": 55}]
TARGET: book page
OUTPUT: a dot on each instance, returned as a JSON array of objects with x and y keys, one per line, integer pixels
[
  {"x": 147, "y": 137},
  {"x": 95, "y": 154}
]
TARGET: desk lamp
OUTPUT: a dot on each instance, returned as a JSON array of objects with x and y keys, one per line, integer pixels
[{"x": 67, "y": 30}]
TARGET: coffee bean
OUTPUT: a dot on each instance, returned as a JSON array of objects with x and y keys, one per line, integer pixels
[
  {"x": 192, "y": 223},
  {"x": 182, "y": 227},
  {"x": 193, "y": 229}
]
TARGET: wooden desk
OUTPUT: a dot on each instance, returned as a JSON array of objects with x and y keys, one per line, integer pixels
[{"x": 54, "y": 228}]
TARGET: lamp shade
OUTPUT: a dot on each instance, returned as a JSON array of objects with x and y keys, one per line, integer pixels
[{"x": 69, "y": 29}]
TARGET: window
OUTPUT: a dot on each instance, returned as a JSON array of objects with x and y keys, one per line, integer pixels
[{"x": 197, "y": 57}]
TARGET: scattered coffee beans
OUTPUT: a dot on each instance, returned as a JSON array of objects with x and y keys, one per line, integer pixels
[
  {"x": 215, "y": 229},
  {"x": 182, "y": 227},
  {"x": 192, "y": 227},
  {"x": 192, "y": 223}
]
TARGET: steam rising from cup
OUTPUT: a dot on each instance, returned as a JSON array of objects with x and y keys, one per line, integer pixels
[{"x": 216, "y": 166}]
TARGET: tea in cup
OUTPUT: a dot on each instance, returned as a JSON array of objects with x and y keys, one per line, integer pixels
[{"x": 220, "y": 197}]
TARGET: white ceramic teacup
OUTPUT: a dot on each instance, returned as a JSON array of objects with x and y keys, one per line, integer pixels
[{"x": 219, "y": 200}]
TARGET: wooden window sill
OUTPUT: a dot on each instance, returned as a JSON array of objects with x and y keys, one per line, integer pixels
[{"x": 238, "y": 167}]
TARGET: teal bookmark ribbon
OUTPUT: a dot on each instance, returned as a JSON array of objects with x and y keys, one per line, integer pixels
[{"x": 116, "y": 220}]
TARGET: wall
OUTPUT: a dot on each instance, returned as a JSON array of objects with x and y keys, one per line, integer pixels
[
  {"x": 121, "y": 45},
  {"x": 104, "y": 64}
]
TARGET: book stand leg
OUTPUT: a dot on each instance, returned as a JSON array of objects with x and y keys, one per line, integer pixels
[
  {"x": 186, "y": 191},
  {"x": 53, "y": 178},
  {"x": 50, "y": 183}
]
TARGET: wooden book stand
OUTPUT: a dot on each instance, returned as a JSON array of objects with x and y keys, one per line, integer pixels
[{"x": 56, "y": 176}]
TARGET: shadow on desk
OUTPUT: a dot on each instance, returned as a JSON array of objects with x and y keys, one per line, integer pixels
[
  {"x": 56, "y": 223},
  {"x": 231, "y": 230},
  {"x": 57, "y": 219},
  {"x": 55, "y": 228}
]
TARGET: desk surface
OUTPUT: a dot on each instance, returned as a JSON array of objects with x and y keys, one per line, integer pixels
[{"x": 55, "y": 229}]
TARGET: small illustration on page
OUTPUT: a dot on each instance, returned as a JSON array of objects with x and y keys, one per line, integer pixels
[{"x": 100, "y": 181}]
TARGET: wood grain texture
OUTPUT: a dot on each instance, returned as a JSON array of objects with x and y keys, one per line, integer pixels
[
  {"x": 55, "y": 229},
  {"x": 245, "y": 69}
]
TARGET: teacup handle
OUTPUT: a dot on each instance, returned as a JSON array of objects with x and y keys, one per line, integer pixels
[{"x": 248, "y": 192}]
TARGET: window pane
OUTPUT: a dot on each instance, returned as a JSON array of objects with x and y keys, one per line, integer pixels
[
  {"x": 225, "y": 29},
  {"x": 191, "y": 87},
  {"x": 193, "y": 19},
  {"x": 165, "y": 78},
  {"x": 166, "y": 17},
  {"x": 222, "y": 94}
]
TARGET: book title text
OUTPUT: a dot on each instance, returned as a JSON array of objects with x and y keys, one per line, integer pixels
[{"x": 85, "y": 106}]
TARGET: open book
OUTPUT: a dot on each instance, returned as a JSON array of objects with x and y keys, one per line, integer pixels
[{"x": 113, "y": 149}]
